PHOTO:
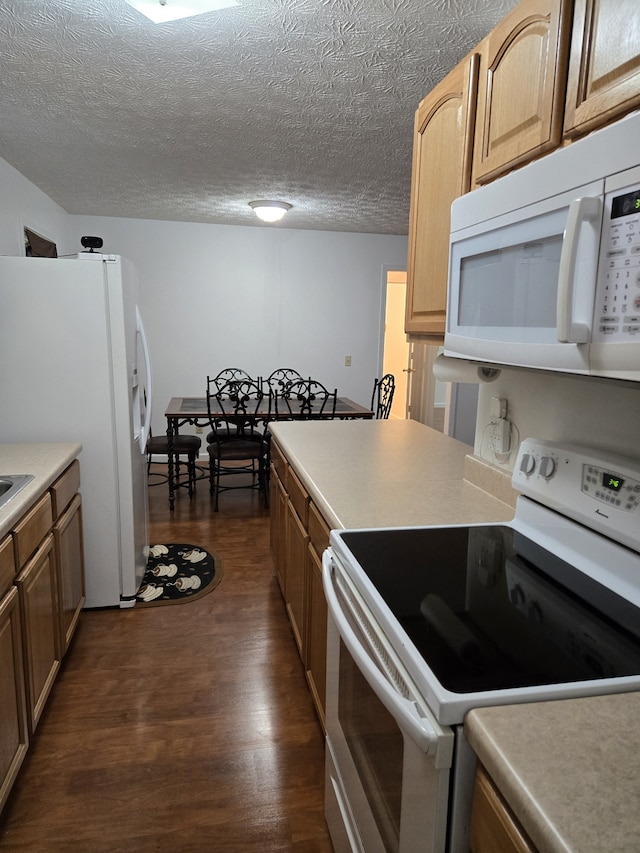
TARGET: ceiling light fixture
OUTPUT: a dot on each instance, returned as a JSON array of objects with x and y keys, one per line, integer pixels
[
  {"x": 160, "y": 11},
  {"x": 270, "y": 211}
]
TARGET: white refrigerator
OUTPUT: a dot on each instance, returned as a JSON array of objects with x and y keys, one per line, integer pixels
[{"x": 74, "y": 366}]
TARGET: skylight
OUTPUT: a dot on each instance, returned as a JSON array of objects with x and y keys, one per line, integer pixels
[{"x": 160, "y": 11}]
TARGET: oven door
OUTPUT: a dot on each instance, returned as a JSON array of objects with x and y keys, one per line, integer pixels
[{"x": 388, "y": 760}]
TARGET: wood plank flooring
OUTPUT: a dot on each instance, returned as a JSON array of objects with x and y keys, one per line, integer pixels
[{"x": 185, "y": 728}]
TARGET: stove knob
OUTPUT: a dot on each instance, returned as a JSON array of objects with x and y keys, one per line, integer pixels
[
  {"x": 534, "y": 612},
  {"x": 517, "y": 596},
  {"x": 547, "y": 467},
  {"x": 527, "y": 463}
]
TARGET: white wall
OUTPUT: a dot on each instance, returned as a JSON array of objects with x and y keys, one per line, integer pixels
[
  {"x": 23, "y": 204},
  {"x": 264, "y": 297},
  {"x": 259, "y": 298},
  {"x": 602, "y": 413}
]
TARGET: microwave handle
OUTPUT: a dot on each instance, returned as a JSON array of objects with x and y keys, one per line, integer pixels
[
  {"x": 580, "y": 210},
  {"x": 402, "y": 710}
]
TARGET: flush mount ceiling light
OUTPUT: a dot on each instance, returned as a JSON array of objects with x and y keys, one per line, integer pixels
[
  {"x": 160, "y": 11},
  {"x": 270, "y": 211}
]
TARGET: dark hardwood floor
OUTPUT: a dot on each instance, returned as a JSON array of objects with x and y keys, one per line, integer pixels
[{"x": 185, "y": 728}]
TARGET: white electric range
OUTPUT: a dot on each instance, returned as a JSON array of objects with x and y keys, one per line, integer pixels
[{"x": 426, "y": 623}]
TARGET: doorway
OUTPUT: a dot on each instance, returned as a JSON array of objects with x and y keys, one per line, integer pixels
[
  {"x": 445, "y": 406},
  {"x": 396, "y": 350},
  {"x": 418, "y": 394}
]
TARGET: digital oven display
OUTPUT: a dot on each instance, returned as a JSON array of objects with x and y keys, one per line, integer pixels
[
  {"x": 610, "y": 481},
  {"x": 625, "y": 205}
]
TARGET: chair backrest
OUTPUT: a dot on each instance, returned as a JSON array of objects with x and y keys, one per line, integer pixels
[
  {"x": 304, "y": 399},
  {"x": 282, "y": 377},
  {"x": 229, "y": 374},
  {"x": 382, "y": 397},
  {"x": 239, "y": 410}
]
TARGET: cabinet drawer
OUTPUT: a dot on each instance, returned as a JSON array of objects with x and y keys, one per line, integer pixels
[
  {"x": 278, "y": 461},
  {"x": 64, "y": 488},
  {"x": 298, "y": 496},
  {"x": 318, "y": 530},
  {"x": 7, "y": 565},
  {"x": 32, "y": 529}
]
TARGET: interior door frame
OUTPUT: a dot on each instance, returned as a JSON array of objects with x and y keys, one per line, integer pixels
[{"x": 389, "y": 271}]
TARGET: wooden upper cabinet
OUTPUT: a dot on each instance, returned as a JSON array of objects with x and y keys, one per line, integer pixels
[
  {"x": 604, "y": 68},
  {"x": 521, "y": 92},
  {"x": 442, "y": 150}
]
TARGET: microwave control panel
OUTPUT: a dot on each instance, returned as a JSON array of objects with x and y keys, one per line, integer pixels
[{"x": 617, "y": 305}]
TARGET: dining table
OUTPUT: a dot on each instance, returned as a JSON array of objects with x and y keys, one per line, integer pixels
[{"x": 194, "y": 411}]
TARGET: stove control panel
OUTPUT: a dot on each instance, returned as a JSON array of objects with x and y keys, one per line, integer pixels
[{"x": 596, "y": 488}]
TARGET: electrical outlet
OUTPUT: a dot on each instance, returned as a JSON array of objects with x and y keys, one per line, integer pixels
[
  {"x": 347, "y": 361},
  {"x": 500, "y": 436},
  {"x": 199, "y": 430}
]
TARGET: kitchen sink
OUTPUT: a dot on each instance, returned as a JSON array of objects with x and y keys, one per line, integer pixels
[{"x": 11, "y": 484}]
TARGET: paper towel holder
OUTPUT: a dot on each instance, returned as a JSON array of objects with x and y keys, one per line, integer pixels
[{"x": 488, "y": 374}]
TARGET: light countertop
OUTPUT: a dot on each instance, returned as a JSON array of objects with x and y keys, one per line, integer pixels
[
  {"x": 390, "y": 473},
  {"x": 568, "y": 769},
  {"x": 45, "y": 461}
]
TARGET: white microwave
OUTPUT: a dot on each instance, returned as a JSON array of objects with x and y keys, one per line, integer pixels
[{"x": 544, "y": 264}]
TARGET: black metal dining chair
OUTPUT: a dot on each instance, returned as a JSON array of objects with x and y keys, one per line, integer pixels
[
  {"x": 282, "y": 377},
  {"x": 306, "y": 399},
  {"x": 229, "y": 374},
  {"x": 382, "y": 397},
  {"x": 182, "y": 445},
  {"x": 239, "y": 414},
  {"x": 226, "y": 376}
]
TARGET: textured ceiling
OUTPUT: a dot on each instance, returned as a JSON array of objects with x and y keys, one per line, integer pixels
[{"x": 307, "y": 101}]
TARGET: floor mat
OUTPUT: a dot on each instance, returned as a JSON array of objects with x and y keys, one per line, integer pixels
[{"x": 178, "y": 573}]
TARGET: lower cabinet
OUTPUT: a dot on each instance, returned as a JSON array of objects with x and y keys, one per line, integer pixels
[
  {"x": 494, "y": 828},
  {"x": 14, "y": 735},
  {"x": 296, "y": 577},
  {"x": 278, "y": 513},
  {"x": 38, "y": 587},
  {"x": 299, "y": 535},
  {"x": 67, "y": 535},
  {"x": 316, "y": 657},
  {"x": 41, "y": 596}
]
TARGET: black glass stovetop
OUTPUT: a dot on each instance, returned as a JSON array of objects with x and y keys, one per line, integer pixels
[{"x": 489, "y": 609}]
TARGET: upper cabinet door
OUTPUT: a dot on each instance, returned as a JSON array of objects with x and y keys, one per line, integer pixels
[
  {"x": 604, "y": 68},
  {"x": 442, "y": 144},
  {"x": 521, "y": 93}
]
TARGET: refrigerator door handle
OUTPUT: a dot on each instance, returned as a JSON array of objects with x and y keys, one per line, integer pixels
[{"x": 144, "y": 434}]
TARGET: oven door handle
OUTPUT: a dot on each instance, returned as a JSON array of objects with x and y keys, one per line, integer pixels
[{"x": 420, "y": 729}]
